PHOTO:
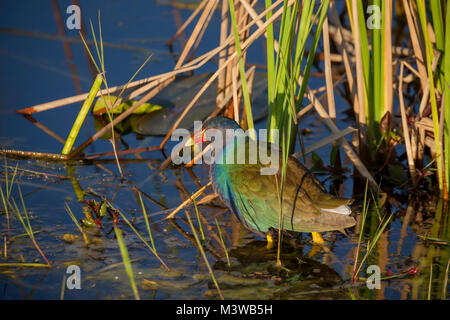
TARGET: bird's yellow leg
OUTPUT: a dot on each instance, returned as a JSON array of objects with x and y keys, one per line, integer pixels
[
  {"x": 314, "y": 250},
  {"x": 269, "y": 241},
  {"x": 317, "y": 238}
]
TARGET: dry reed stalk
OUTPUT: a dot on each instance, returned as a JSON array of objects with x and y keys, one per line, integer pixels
[
  {"x": 197, "y": 29},
  {"x": 187, "y": 201},
  {"x": 388, "y": 85},
  {"x": 414, "y": 145},
  {"x": 245, "y": 19},
  {"x": 409, "y": 213},
  {"x": 361, "y": 114},
  {"x": 66, "y": 46},
  {"x": 342, "y": 44},
  {"x": 122, "y": 116},
  {"x": 256, "y": 18},
  {"x": 328, "y": 71},
  {"x": 197, "y": 157},
  {"x": 200, "y": 61},
  {"x": 242, "y": 20},
  {"x": 192, "y": 65},
  {"x": 202, "y": 31},
  {"x": 150, "y": 81},
  {"x": 409, "y": 153},
  {"x": 222, "y": 54},
  {"x": 441, "y": 146},
  {"x": 333, "y": 137},
  {"x": 308, "y": 107},
  {"x": 228, "y": 71},
  {"x": 417, "y": 40},
  {"x": 250, "y": 79},
  {"x": 219, "y": 109},
  {"x": 44, "y": 128},
  {"x": 345, "y": 145},
  {"x": 178, "y": 23},
  {"x": 81, "y": 97},
  {"x": 249, "y": 74},
  {"x": 423, "y": 104},
  {"x": 410, "y": 67},
  {"x": 187, "y": 22}
]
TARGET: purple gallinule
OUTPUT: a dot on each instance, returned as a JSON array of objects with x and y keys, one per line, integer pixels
[{"x": 255, "y": 200}]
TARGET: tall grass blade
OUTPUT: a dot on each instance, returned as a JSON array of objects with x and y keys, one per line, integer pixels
[
  {"x": 198, "y": 219},
  {"x": 27, "y": 225},
  {"x": 225, "y": 249},
  {"x": 434, "y": 109},
  {"x": 200, "y": 247},
  {"x": 147, "y": 224},
  {"x": 72, "y": 216},
  {"x": 446, "y": 103},
  {"x": 143, "y": 240}
]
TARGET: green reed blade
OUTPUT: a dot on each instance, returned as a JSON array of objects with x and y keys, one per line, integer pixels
[
  {"x": 9, "y": 188},
  {"x": 200, "y": 247},
  {"x": 72, "y": 216},
  {"x": 144, "y": 213},
  {"x": 126, "y": 261},
  {"x": 143, "y": 240},
  {"x": 446, "y": 89},
  {"x": 223, "y": 243},
  {"x": 82, "y": 115},
  {"x": 5, "y": 207}
]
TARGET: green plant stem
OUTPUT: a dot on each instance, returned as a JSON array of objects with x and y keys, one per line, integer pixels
[
  {"x": 446, "y": 89},
  {"x": 147, "y": 224},
  {"x": 198, "y": 218},
  {"x": 126, "y": 261},
  {"x": 223, "y": 243},
  {"x": 82, "y": 115},
  {"x": 200, "y": 247}
]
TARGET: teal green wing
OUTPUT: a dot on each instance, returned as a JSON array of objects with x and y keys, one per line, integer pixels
[{"x": 255, "y": 199}]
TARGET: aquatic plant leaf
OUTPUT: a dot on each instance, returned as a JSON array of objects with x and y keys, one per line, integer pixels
[{"x": 104, "y": 101}]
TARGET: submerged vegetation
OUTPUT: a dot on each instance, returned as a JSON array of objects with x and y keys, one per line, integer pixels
[{"x": 385, "y": 64}]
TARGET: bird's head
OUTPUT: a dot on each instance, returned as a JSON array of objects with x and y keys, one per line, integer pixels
[{"x": 218, "y": 123}]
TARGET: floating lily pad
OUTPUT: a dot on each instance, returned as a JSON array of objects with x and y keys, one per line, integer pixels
[
  {"x": 124, "y": 127},
  {"x": 127, "y": 125},
  {"x": 102, "y": 103},
  {"x": 182, "y": 91}
]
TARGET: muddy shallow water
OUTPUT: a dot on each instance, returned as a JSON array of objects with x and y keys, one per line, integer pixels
[{"x": 407, "y": 244}]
